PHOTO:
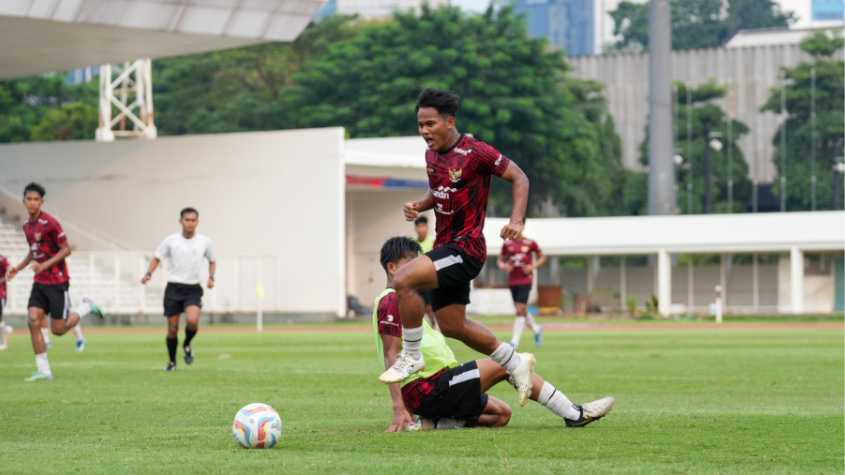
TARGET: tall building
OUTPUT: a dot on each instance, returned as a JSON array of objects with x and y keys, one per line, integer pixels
[{"x": 568, "y": 24}]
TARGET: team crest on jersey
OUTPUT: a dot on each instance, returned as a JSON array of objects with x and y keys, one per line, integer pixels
[
  {"x": 524, "y": 249},
  {"x": 455, "y": 174},
  {"x": 38, "y": 236},
  {"x": 429, "y": 170}
]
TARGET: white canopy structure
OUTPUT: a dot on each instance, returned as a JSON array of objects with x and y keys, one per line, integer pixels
[{"x": 40, "y": 36}]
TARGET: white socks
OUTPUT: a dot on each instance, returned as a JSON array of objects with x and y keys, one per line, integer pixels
[
  {"x": 45, "y": 332},
  {"x": 78, "y": 332},
  {"x": 531, "y": 323},
  {"x": 449, "y": 423},
  {"x": 557, "y": 402},
  {"x": 412, "y": 338},
  {"x": 507, "y": 357},
  {"x": 518, "y": 327},
  {"x": 42, "y": 364},
  {"x": 83, "y": 309}
]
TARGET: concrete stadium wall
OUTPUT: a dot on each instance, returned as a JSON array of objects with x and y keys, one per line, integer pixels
[
  {"x": 752, "y": 70},
  {"x": 266, "y": 193}
]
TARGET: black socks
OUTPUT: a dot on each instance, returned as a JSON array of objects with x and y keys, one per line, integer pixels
[
  {"x": 172, "y": 343},
  {"x": 189, "y": 335}
]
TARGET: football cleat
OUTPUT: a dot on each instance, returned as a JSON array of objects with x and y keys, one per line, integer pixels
[
  {"x": 523, "y": 377},
  {"x": 95, "y": 309},
  {"x": 591, "y": 412},
  {"x": 38, "y": 376},
  {"x": 80, "y": 345},
  {"x": 170, "y": 366},
  {"x": 403, "y": 367},
  {"x": 538, "y": 339},
  {"x": 189, "y": 354}
]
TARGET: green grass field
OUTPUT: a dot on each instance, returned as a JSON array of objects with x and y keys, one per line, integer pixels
[{"x": 704, "y": 401}]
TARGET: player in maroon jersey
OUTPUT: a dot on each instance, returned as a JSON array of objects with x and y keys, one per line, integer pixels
[
  {"x": 517, "y": 260},
  {"x": 49, "y": 248},
  {"x": 5, "y": 330},
  {"x": 459, "y": 171}
]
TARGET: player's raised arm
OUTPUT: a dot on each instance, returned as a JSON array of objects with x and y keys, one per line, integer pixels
[
  {"x": 514, "y": 175},
  {"x": 392, "y": 346}
]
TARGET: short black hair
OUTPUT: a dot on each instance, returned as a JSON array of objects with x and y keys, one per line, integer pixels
[
  {"x": 397, "y": 248},
  {"x": 446, "y": 102},
  {"x": 36, "y": 188},
  {"x": 188, "y": 210},
  {"x": 420, "y": 220}
]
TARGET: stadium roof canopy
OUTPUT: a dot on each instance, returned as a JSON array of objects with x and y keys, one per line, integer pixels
[{"x": 40, "y": 36}]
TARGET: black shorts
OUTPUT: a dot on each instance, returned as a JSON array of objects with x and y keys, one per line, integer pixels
[
  {"x": 179, "y": 296},
  {"x": 425, "y": 295},
  {"x": 455, "y": 270},
  {"x": 53, "y": 299},
  {"x": 456, "y": 393},
  {"x": 520, "y": 293}
]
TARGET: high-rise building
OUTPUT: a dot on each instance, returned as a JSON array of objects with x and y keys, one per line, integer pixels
[{"x": 568, "y": 24}]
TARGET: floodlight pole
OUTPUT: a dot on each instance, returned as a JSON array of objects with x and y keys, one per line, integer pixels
[
  {"x": 661, "y": 174},
  {"x": 133, "y": 82},
  {"x": 813, "y": 139}
]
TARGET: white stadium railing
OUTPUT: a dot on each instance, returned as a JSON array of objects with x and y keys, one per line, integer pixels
[{"x": 113, "y": 280}]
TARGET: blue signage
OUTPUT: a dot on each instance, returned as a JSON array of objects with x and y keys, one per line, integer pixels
[{"x": 828, "y": 10}]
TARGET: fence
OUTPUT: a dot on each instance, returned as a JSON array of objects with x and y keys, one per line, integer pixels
[{"x": 113, "y": 280}]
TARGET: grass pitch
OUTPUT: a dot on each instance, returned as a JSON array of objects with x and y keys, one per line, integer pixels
[{"x": 703, "y": 401}]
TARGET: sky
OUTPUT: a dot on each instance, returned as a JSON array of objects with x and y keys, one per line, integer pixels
[{"x": 472, "y": 5}]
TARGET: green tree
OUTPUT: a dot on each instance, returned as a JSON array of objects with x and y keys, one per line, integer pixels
[
  {"x": 515, "y": 94},
  {"x": 25, "y": 103},
  {"x": 708, "y": 120},
  {"x": 799, "y": 126},
  {"x": 697, "y": 23},
  {"x": 239, "y": 89},
  {"x": 74, "y": 121}
]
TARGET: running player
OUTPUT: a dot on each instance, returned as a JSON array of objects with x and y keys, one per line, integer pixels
[
  {"x": 183, "y": 292},
  {"x": 446, "y": 395},
  {"x": 517, "y": 260},
  {"x": 426, "y": 242},
  {"x": 49, "y": 296},
  {"x": 5, "y": 330},
  {"x": 459, "y": 169}
]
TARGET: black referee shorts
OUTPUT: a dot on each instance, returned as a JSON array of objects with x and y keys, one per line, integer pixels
[
  {"x": 456, "y": 394},
  {"x": 455, "y": 270},
  {"x": 179, "y": 296},
  {"x": 53, "y": 299}
]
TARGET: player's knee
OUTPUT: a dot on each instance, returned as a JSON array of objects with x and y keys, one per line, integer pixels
[
  {"x": 452, "y": 329},
  {"x": 403, "y": 282},
  {"x": 34, "y": 322}
]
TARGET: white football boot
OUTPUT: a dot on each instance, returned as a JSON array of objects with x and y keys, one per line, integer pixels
[
  {"x": 402, "y": 368},
  {"x": 522, "y": 378},
  {"x": 592, "y": 411}
]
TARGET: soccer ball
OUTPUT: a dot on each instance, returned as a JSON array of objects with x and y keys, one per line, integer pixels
[{"x": 257, "y": 426}]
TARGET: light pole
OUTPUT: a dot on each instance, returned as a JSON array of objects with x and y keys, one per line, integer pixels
[
  {"x": 730, "y": 145},
  {"x": 813, "y": 138},
  {"x": 783, "y": 141},
  {"x": 689, "y": 150}
]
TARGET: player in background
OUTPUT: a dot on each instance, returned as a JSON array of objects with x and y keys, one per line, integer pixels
[
  {"x": 517, "y": 260},
  {"x": 459, "y": 171},
  {"x": 49, "y": 248},
  {"x": 446, "y": 395},
  {"x": 5, "y": 330},
  {"x": 426, "y": 242},
  {"x": 183, "y": 293}
]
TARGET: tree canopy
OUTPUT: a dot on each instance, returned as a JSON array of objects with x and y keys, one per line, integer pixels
[
  {"x": 697, "y": 23},
  {"x": 829, "y": 129}
]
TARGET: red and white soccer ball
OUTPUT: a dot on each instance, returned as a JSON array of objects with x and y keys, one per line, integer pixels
[{"x": 257, "y": 426}]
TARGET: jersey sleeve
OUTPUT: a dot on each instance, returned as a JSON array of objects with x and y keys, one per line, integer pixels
[
  {"x": 4, "y": 266},
  {"x": 504, "y": 252},
  {"x": 490, "y": 160},
  {"x": 163, "y": 250},
  {"x": 389, "y": 323},
  {"x": 209, "y": 252},
  {"x": 56, "y": 230},
  {"x": 535, "y": 248}
]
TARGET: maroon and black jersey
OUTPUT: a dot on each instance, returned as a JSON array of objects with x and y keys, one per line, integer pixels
[
  {"x": 518, "y": 254},
  {"x": 460, "y": 184},
  {"x": 44, "y": 236},
  {"x": 388, "y": 316},
  {"x": 4, "y": 267}
]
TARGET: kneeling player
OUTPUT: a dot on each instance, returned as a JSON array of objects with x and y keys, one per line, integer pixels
[{"x": 444, "y": 394}]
